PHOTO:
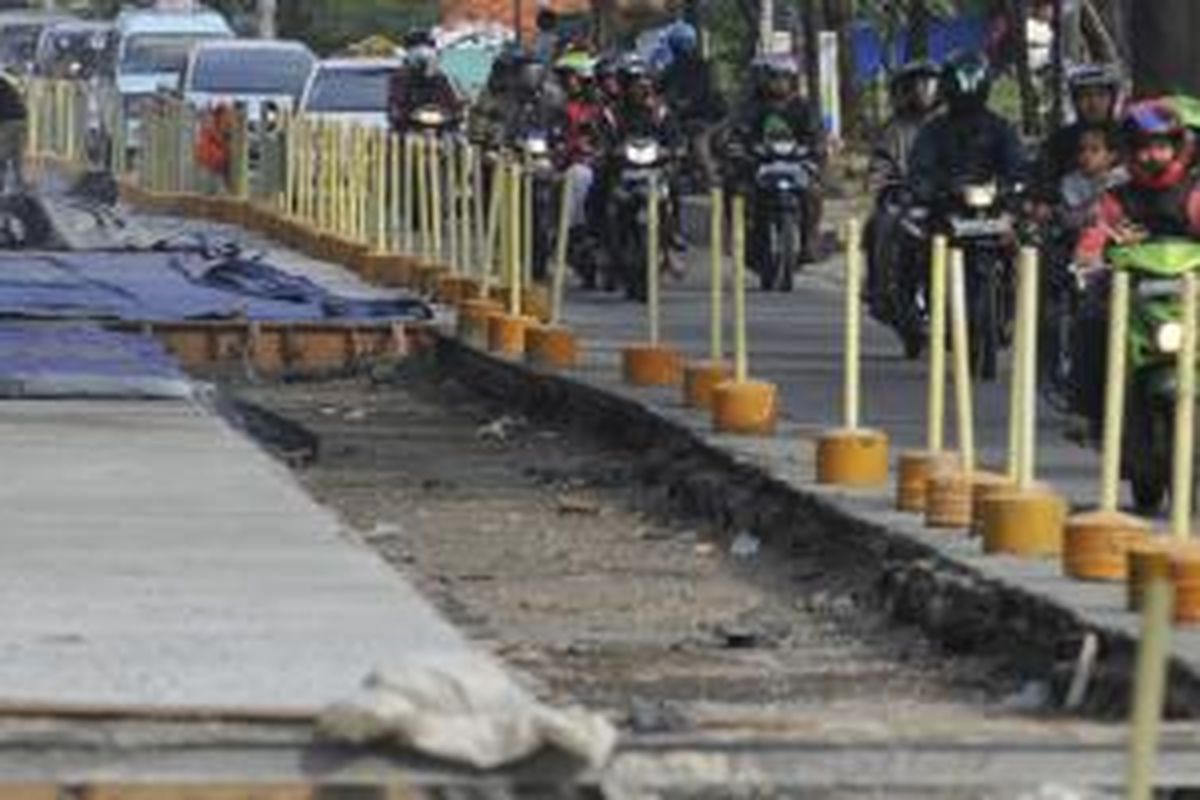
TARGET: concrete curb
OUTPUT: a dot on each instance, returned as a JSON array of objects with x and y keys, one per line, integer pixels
[{"x": 1020, "y": 614}]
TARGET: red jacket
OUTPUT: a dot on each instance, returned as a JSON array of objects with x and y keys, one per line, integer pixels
[
  {"x": 1168, "y": 213},
  {"x": 583, "y": 117}
]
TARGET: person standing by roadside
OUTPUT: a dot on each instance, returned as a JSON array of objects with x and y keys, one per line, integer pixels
[{"x": 14, "y": 120}]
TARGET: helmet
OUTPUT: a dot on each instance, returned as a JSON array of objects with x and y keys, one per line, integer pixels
[
  {"x": 575, "y": 70},
  {"x": 776, "y": 75},
  {"x": 1085, "y": 81},
  {"x": 631, "y": 67},
  {"x": 530, "y": 73},
  {"x": 418, "y": 37},
  {"x": 682, "y": 39},
  {"x": 966, "y": 81},
  {"x": 914, "y": 86},
  {"x": 1162, "y": 148}
]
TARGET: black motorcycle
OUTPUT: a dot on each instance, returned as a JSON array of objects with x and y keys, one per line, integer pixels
[
  {"x": 896, "y": 242},
  {"x": 784, "y": 173},
  {"x": 536, "y": 149},
  {"x": 981, "y": 224},
  {"x": 642, "y": 164}
]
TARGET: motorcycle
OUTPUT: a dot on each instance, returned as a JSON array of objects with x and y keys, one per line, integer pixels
[
  {"x": 642, "y": 164},
  {"x": 784, "y": 172},
  {"x": 537, "y": 159},
  {"x": 896, "y": 241},
  {"x": 1155, "y": 336},
  {"x": 980, "y": 224}
]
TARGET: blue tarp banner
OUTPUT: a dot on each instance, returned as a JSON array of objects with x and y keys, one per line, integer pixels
[
  {"x": 164, "y": 286},
  {"x": 872, "y": 55}
]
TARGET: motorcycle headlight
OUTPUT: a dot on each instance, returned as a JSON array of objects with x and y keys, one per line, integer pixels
[
  {"x": 783, "y": 148},
  {"x": 980, "y": 195},
  {"x": 270, "y": 117},
  {"x": 1169, "y": 337},
  {"x": 429, "y": 117},
  {"x": 536, "y": 146},
  {"x": 642, "y": 154}
]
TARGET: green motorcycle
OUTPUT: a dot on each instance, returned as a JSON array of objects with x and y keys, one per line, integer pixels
[{"x": 1155, "y": 336}]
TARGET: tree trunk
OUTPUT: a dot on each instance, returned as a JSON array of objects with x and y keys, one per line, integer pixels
[
  {"x": 813, "y": 23},
  {"x": 1018, "y": 12},
  {"x": 918, "y": 30},
  {"x": 1165, "y": 57}
]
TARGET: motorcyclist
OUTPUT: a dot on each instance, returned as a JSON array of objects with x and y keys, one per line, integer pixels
[
  {"x": 1095, "y": 95},
  {"x": 581, "y": 145},
  {"x": 689, "y": 89},
  {"x": 1161, "y": 198},
  {"x": 968, "y": 142},
  {"x": 913, "y": 89},
  {"x": 537, "y": 100},
  {"x": 488, "y": 120},
  {"x": 775, "y": 103},
  {"x": 420, "y": 83}
]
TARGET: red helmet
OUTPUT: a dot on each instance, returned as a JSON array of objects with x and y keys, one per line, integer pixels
[{"x": 1162, "y": 148}]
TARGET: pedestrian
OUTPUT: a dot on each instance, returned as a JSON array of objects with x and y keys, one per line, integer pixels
[{"x": 14, "y": 119}]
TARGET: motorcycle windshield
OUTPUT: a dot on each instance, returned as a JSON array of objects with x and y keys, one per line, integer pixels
[{"x": 1166, "y": 257}]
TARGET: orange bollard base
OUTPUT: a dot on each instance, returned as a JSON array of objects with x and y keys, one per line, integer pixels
[
  {"x": 1148, "y": 559},
  {"x": 429, "y": 276},
  {"x": 651, "y": 365},
  {"x": 984, "y": 485},
  {"x": 1027, "y": 523},
  {"x": 948, "y": 500},
  {"x": 535, "y": 301},
  {"x": 499, "y": 294},
  {"x": 700, "y": 378},
  {"x": 856, "y": 458},
  {"x": 506, "y": 334},
  {"x": 1096, "y": 545},
  {"x": 450, "y": 289},
  {"x": 472, "y": 326},
  {"x": 1185, "y": 575},
  {"x": 551, "y": 346},
  {"x": 749, "y": 408},
  {"x": 915, "y": 469}
]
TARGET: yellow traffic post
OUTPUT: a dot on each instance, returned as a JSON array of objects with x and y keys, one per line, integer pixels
[
  {"x": 741, "y": 405},
  {"x": 506, "y": 332},
  {"x": 434, "y": 178},
  {"x": 1150, "y": 686},
  {"x": 852, "y": 455},
  {"x": 917, "y": 466},
  {"x": 1028, "y": 519},
  {"x": 700, "y": 378},
  {"x": 408, "y": 219},
  {"x": 473, "y": 315},
  {"x": 949, "y": 493},
  {"x": 652, "y": 363},
  {"x": 424, "y": 237},
  {"x": 467, "y": 196},
  {"x": 1096, "y": 544},
  {"x": 452, "y": 200},
  {"x": 553, "y": 344},
  {"x": 1184, "y": 556}
]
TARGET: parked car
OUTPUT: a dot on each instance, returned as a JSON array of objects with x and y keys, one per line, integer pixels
[
  {"x": 19, "y": 35},
  {"x": 76, "y": 50},
  {"x": 353, "y": 90},
  {"x": 152, "y": 54},
  {"x": 265, "y": 77}
]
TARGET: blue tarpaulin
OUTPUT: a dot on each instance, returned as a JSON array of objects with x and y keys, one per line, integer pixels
[
  {"x": 163, "y": 286},
  {"x": 82, "y": 359},
  {"x": 872, "y": 55}
]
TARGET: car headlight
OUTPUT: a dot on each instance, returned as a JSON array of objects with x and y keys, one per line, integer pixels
[
  {"x": 642, "y": 154},
  {"x": 1169, "y": 337},
  {"x": 980, "y": 195}
]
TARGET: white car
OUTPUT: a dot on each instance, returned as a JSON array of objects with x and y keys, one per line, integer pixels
[
  {"x": 351, "y": 90},
  {"x": 264, "y": 76},
  {"x": 152, "y": 53}
]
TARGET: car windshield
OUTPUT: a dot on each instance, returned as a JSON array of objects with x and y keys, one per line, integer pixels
[
  {"x": 247, "y": 71},
  {"x": 350, "y": 90},
  {"x": 18, "y": 44},
  {"x": 159, "y": 53},
  {"x": 77, "y": 54}
]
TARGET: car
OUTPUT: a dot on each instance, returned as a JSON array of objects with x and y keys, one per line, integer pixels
[
  {"x": 76, "y": 50},
  {"x": 352, "y": 90},
  {"x": 264, "y": 76},
  {"x": 19, "y": 35},
  {"x": 152, "y": 53}
]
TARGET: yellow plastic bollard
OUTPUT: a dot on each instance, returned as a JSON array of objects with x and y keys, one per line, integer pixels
[
  {"x": 1149, "y": 692},
  {"x": 1097, "y": 544},
  {"x": 949, "y": 495},
  {"x": 554, "y": 344},
  {"x": 506, "y": 332},
  {"x": 852, "y": 455},
  {"x": 1027, "y": 520},
  {"x": 435, "y": 202},
  {"x": 1185, "y": 404},
  {"x": 700, "y": 378},
  {"x": 741, "y": 405},
  {"x": 491, "y": 262},
  {"x": 651, "y": 363},
  {"x": 917, "y": 466}
]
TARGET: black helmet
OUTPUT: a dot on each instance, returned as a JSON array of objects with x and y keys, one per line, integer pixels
[
  {"x": 966, "y": 81},
  {"x": 418, "y": 37},
  {"x": 529, "y": 73},
  {"x": 776, "y": 75},
  {"x": 914, "y": 86},
  {"x": 632, "y": 68}
]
